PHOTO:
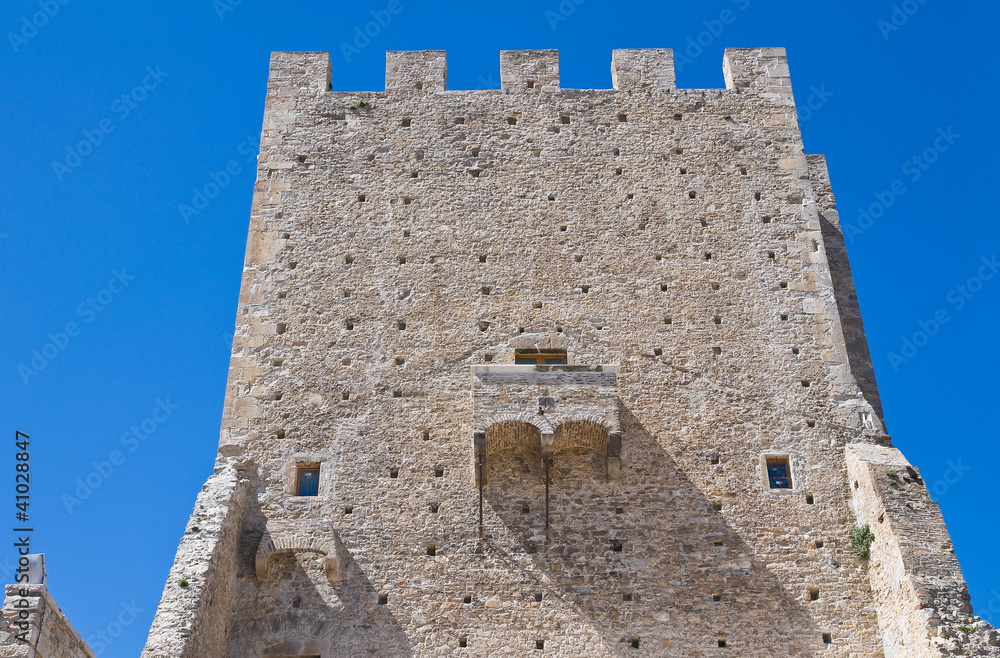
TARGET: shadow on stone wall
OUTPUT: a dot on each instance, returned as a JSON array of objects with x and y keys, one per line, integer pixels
[
  {"x": 647, "y": 560},
  {"x": 299, "y": 611}
]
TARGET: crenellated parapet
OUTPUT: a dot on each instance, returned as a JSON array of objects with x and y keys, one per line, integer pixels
[{"x": 755, "y": 71}]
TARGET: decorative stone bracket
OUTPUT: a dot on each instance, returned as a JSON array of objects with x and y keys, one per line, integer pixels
[{"x": 547, "y": 409}]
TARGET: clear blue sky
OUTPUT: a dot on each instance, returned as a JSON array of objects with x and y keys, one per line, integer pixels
[{"x": 102, "y": 243}]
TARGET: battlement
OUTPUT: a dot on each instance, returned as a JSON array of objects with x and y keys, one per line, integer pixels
[{"x": 763, "y": 70}]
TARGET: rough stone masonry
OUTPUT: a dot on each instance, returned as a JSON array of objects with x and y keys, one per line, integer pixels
[{"x": 583, "y": 373}]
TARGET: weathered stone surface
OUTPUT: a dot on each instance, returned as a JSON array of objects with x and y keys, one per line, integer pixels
[
  {"x": 684, "y": 251},
  {"x": 33, "y": 626}
]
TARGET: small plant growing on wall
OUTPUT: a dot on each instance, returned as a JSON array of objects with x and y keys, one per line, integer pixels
[
  {"x": 358, "y": 105},
  {"x": 861, "y": 541}
]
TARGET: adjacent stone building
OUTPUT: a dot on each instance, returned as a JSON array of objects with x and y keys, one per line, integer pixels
[
  {"x": 547, "y": 371},
  {"x": 31, "y": 623}
]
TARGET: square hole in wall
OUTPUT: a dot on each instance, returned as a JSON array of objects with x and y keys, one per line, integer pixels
[
  {"x": 627, "y": 597},
  {"x": 809, "y": 499},
  {"x": 383, "y": 599},
  {"x": 814, "y": 594},
  {"x": 634, "y": 642},
  {"x": 439, "y": 471},
  {"x": 827, "y": 638},
  {"x": 722, "y": 642},
  {"x": 716, "y": 598},
  {"x": 539, "y": 644},
  {"x": 394, "y": 472},
  {"x": 538, "y": 597},
  {"x": 433, "y": 507},
  {"x": 463, "y": 642},
  {"x": 431, "y": 550}
]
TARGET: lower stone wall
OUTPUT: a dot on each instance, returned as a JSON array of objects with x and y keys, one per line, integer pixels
[
  {"x": 33, "y": 626},
  {"x": 193, "y": 618},
  {"x": 922, "y": 598}
]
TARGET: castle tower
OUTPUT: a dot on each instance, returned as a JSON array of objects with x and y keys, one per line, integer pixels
[{"x": 553, "y": 371}]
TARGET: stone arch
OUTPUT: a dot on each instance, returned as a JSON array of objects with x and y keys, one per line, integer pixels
[
  {"x": 294, "y": 542},
  {"x": 581, "y": 436},
  {"x": 513, "y": 451},
  {"x": 580, "y": 449}
]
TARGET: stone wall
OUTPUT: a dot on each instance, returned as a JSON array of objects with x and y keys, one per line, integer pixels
[
  {"x": 923, "y": 602},
  {"x": 193, "y": 618},
  {"x": 47, "y": 634},
  {"x": 402, "y": 243}
]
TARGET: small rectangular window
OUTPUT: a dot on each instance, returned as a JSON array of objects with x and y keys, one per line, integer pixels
[
  {"x": 778, "y": 473},
  {"x": 307, "y": 481},
  {"x": 540, "y": 358}
]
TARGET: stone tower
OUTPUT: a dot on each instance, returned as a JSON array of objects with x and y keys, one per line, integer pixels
[{"x": 546, "y": 371}]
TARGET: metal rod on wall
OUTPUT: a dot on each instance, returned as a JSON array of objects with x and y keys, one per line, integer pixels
[
  {"x": 480, "y": 467},
  {"x": 548, "y": 464}
]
